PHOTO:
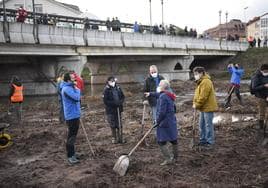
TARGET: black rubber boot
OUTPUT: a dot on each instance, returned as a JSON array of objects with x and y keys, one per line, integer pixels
[{"x": 261, "y": 124}]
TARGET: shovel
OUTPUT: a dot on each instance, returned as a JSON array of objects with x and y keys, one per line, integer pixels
[
  {"x": 192, "y": 143},
  {"x": 122, "y": 163},
  {"x": 142, "y": 120},
  {"x": 84, "y": 130}
]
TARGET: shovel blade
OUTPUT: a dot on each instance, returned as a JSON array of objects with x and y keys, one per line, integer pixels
[{"x": 121, "y": 165}]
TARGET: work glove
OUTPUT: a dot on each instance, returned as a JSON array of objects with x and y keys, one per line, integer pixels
[{"x": 145, "y": 102}]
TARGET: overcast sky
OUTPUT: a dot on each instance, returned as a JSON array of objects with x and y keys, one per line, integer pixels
[{"x": 199, "y": 14}]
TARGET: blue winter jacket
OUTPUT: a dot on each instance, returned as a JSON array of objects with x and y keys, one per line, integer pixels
[
  {"x": 71, "y": 101},
  {"x": 236, "y": 74},
  {"x": 165, "y": 117}
]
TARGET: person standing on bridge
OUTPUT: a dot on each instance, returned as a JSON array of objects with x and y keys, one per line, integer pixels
[
  {"x": 71, "y": 106},
  {"x": 205, "y": 101},
  {"x": 237, "y": 72},
  {"x": 21, "y": 14},
  {"x": 16, "y": 96},
  {"x": 113, "y": 98},
  {"x": 150, "y": 85}
]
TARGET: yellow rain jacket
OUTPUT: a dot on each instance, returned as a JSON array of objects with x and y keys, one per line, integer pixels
[{"x": 204, "y": 97}]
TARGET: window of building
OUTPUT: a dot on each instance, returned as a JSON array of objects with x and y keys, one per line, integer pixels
[
  {"x": 38, "y": 8},
  {"x": 17, "y": 6}
]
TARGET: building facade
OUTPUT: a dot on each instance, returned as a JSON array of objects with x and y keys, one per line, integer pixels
[
  {"x": 233, "y": 30},
  {"x": 253, "y": 28},
  {"x": 264, "y": 26}
]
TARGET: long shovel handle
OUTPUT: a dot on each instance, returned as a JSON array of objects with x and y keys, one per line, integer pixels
[
  {"x": 142, "y": 120},
  {"x": 84, "y": 130},
  {"x": 120, "y": 126},
  {"x": 146, "y": 134}
]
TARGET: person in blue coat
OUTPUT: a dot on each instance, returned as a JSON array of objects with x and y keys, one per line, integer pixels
[
  {"x": 236, "y": 74},
  {"x": 71, "y": 106},
  {"x": 166, "y": 121}
]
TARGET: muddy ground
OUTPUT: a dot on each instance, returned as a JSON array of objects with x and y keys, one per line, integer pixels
[{"x": 37, "y": 157}]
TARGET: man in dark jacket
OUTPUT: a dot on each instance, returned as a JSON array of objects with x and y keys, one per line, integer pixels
[
  {"x": 71, "y": 106},
  {"x": 16, "y": 96},
  {"x": 260, "y": 88},
  {"x": 113, "y": 98},
  {"x": 166, "y": 120},
  {"x": 150, "y": 85}
]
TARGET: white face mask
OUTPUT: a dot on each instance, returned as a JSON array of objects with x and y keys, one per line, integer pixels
[
  {"x": 197, "y": 76},
  {"x": 154, "y": 75},
  {"x": 158, "y": 89},
  {"x": 112, "y": 84},
  {"x": 265, "y": 73}
]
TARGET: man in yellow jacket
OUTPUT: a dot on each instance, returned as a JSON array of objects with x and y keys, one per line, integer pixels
[{"x": 205, "y": 102}]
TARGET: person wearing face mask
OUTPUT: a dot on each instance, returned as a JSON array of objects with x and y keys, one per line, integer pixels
[
  {"x": 205, "y": 101},
  {"x": 113, "y": 98},
  {"x": 259, "y": 84},
  {"x": 71, "y": 106},
  {"x": 150, "y": 85},
  {"x": 166, "y": 120},
  {"x": 237, "y": 72}
]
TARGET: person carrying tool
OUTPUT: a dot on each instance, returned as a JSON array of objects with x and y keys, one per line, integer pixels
[
  {"x": 113, "y": 98},
  {"x": 71, "y": 106},
  {"x": 16, "y": 96},
  {"x": 237, "y": 72},
  {"x": 205, "y": 101},
  {"x": 166, "y": 121},
  {"x": 150, "y": 85},
  {"x": 259, "y": 84}
]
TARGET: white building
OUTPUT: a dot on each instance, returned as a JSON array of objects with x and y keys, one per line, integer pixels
[
  {"x": 264, "y": 26},
  {"x": 47, "y": 6}
]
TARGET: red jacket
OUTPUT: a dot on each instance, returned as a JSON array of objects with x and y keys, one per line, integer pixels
[{"x": 80, "y": 83}]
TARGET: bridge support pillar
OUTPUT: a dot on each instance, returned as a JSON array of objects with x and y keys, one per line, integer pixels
[{"x": 75, "y": 63}]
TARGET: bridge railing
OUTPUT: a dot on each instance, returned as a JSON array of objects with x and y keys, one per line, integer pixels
[{"x": 52, "y": 35}]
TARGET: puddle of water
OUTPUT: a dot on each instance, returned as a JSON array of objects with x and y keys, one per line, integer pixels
[
  {"x": 28, "y": 160},
  {"x": 227, "y": 118}
]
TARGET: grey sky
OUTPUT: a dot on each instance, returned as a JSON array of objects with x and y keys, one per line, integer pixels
[{"x": 199, "y": 14}]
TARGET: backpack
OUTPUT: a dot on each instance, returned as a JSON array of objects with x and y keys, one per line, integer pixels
[{"x": 252, "y": 79}]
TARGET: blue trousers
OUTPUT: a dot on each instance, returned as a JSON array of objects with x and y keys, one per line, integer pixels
[{"x": 206, "y": 128}]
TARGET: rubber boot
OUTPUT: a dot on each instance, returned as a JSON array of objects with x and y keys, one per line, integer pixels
[
  {"x": 261, "y": 124},
  {"x": 175, "y": 152},
  {"x": 114, "y": 138},
  {"x": 165, "y": 152}
]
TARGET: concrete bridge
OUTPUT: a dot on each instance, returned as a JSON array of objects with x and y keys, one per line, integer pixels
[{"x": 38, "y": 52}]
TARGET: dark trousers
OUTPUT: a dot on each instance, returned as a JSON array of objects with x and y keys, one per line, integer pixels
[
  {"x": 73, "y": 126},
  {"x": 173, "y": 142},
  {"x": 236, "y": 89}
]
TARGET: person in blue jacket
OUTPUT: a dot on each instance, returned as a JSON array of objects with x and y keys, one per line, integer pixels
[
  {"x": 71, "y": 107},
  {"x": 237, "y": 72},
  {"x": 166, "y": 121}
]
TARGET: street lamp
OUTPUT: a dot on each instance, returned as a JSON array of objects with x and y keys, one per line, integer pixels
[
  {"x": 245, "y": 14},
  {"x": 219, "y": 17},
  {"x": 162, "y": 3},
  {"x": 150, "y": 4},
  {"x": 226, "y": 16}
]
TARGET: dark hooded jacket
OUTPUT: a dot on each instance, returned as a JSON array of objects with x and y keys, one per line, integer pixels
[
  {"x": 258, "y": 82},
  {"x": 150, "y": 86},
  {"x": 113, "y": 98}
]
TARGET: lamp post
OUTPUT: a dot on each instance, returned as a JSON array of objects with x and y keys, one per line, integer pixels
[
  {"x": 162, "y": 3},
  {"x": 33, "y": 12},
  {"x": 220, "y": 17},
  {"x": 245, "y": 14},
  {"x": 150, "y": 7},
  {"x": 226, "y": 16}
]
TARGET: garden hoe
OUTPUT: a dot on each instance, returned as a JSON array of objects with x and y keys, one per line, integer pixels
[{"x": 122, "y": 163}]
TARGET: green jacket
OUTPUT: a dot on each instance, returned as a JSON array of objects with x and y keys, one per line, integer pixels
[{"x": 204, "y": 98}]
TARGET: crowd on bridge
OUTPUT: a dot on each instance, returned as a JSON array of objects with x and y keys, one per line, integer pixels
[{"x": 159, "y": 96}]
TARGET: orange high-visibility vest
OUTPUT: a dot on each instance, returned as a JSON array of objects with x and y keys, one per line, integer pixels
[{"x": 17, "y": 95}]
